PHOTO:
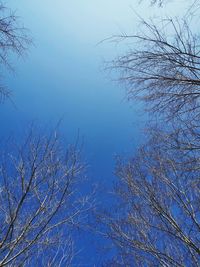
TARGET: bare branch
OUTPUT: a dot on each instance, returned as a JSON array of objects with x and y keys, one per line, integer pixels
[
  {"x": 164, "y": 69},
  {"x": 40, "y": 206},
  {"x": 14, "y": 39},
  {"x": 157, "y": 222}
]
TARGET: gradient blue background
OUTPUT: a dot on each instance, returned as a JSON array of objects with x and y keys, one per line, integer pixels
[{"x": 62, "y": 77}]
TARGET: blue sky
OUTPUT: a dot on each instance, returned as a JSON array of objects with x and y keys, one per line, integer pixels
[{"x": 62, "y": 76}]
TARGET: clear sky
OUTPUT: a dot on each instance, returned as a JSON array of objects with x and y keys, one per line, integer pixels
[{"x": 62, "y": 76}]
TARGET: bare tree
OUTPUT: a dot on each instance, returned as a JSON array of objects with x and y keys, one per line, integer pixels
[
  {"x": 163, "y": 67},
  {"x": 155, "y": 218},
  {"x": 13, "y": 39},
  {"x": 41, "y": 203},
  {"x": 157, "y": 222}
]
